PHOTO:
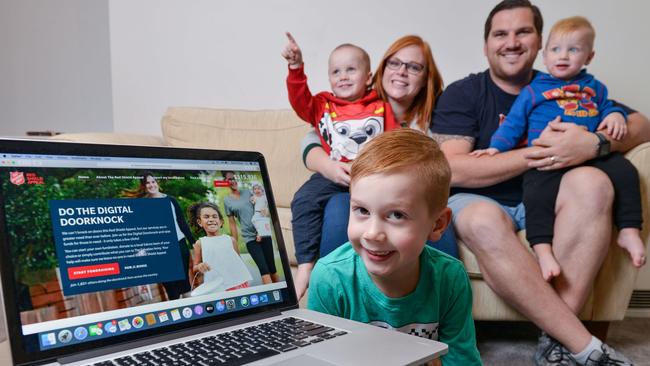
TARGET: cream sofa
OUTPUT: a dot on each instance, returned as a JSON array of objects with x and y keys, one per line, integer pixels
[{"x": 277, "y": 134}]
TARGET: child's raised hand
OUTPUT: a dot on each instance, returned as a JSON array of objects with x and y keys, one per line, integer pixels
[
  {"x": 489, "y": 151},
  {"x": 615, "y": 125},
  {"x": 292, "y": 53}
]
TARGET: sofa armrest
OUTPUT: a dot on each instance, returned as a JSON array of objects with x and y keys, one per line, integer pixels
[{"x": 617, "y": 277}]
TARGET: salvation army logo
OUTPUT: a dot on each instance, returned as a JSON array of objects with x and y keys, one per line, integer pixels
[{"x": 17, "y": 178}]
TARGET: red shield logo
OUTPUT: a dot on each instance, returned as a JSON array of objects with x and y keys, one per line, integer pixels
[{"x": 17, "y": 178}]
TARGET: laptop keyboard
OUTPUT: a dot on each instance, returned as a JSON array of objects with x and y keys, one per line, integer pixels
[{"x": 237, "y": 347}]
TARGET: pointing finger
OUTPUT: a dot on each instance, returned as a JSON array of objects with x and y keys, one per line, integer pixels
[{"x": 290, "y": 37}]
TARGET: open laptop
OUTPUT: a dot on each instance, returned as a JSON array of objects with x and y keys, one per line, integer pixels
[{"x": 86, "y": 257}]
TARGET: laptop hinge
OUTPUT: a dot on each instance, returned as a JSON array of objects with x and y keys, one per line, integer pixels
[
  {"x": 296, "y": 306},
  {"x": 166, "y": 337}
]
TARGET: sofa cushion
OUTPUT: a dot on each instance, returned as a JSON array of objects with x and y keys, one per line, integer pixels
[{"x": 274, "y": 133}]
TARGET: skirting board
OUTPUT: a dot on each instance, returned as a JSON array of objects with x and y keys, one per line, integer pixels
[{"x": 637, "y": 313}]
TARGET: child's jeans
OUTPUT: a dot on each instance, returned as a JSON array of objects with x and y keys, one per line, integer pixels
[{"x": 307, "y": 215}]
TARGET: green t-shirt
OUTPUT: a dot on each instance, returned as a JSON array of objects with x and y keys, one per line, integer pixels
[{"x": 440, "y": 308}]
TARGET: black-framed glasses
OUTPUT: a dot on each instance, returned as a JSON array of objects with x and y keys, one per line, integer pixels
[{"x": 414, "y": 68}]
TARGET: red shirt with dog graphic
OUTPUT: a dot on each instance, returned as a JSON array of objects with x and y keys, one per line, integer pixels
[{"x": 343, "y": 126}]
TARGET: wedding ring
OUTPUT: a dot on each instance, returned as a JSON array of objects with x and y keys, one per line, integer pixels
[{"x": 552, "y": 159}]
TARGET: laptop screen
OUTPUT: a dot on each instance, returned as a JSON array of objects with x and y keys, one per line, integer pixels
[{"x": 105, "y": 247}]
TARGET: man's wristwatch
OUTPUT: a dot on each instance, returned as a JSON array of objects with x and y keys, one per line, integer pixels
[{"x": 603, "y": 145}]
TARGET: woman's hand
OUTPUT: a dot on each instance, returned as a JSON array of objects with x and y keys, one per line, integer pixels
[
  {"x": 563, "y": 145},
  {"x": 338, "y": 172},
  {"x": 201, "y": 267}
]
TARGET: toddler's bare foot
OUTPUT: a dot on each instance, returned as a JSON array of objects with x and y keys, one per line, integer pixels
[
  {"x": 630, "y": 240},
  {"x": 550, "y": 267},
  {"x": 547, "y": 262}
]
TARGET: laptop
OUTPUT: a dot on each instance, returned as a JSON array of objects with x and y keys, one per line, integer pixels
[{"x": 88, "y": 254}]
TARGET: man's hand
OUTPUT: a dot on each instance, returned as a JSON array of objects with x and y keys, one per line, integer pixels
[
  {"x": 338, "y": 172},
  {"x": 563, "y": 144},
  {"x": 615, "y": 125},
  {"x": 491, "y": 151},
  {"x": 292, "y": 53}
]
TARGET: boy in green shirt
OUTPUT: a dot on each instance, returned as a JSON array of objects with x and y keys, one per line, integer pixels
[{"x": 385, "y": 275}]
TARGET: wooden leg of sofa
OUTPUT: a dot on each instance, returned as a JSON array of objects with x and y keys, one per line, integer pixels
[{"x": 599, "y": 329}]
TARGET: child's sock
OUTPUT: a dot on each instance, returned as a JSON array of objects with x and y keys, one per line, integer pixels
[{"x": 581, "y": 357}]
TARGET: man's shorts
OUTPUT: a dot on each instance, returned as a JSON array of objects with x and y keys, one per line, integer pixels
[{"x": 459, "y": 201}]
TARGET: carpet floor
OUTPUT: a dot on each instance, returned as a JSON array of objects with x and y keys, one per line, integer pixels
[{"x": 514, "y": 343}]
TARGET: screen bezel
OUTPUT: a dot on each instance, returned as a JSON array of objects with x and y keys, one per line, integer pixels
[{"x": 14, "y": 325}]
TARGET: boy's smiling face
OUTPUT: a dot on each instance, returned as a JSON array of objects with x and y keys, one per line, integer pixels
[
  {"x": 349, "y": 75},
  {"x": 390, "y": 222},
  {"x": 567, "y": 53}
]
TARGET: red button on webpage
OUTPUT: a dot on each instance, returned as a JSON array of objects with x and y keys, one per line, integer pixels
[
  {"x": 98, "y": 270},
  {"x": 221, "y": 183}
]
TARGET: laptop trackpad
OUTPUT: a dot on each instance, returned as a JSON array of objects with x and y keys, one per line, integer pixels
[{"x": 302, "y": 360}]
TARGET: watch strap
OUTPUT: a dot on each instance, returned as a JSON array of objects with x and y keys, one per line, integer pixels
[{"x": 602, "y": 148}]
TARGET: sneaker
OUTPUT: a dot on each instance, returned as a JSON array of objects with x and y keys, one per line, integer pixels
[
  {"x": 607, "y": 356},
  {"x": 551, "y": 352}
]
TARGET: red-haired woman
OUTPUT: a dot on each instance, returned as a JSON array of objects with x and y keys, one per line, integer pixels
[{"x": 408, "y": 79}]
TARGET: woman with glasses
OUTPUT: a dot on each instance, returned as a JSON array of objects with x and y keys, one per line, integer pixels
[
  {"x": 408, "y": 79},
  {"x": 238, "y": 205}
]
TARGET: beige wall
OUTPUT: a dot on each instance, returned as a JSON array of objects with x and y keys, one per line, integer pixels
[
  {"x": 115, "y": 65},
  {"x": 227, "y": 53},
  {"x": 55, "y": 71}
]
